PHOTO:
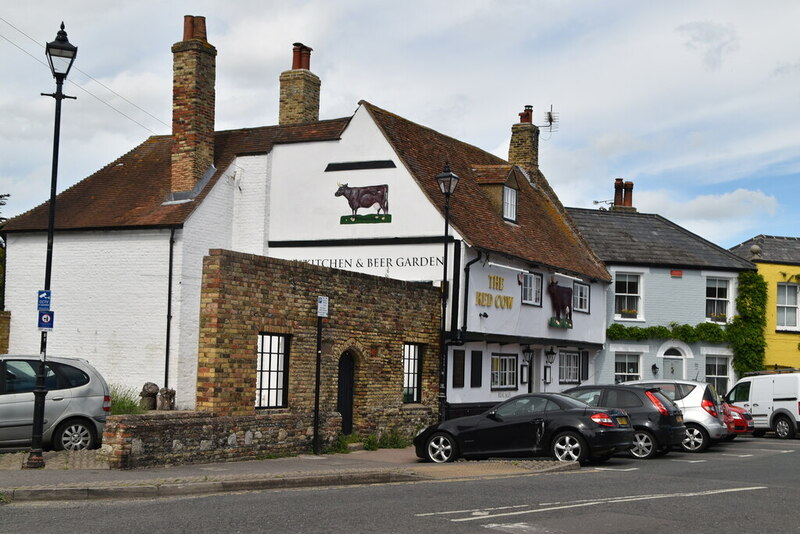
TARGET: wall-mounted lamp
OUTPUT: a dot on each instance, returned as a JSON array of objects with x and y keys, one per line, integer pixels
[
  {"x": 527, "y": 353},
  {"x": 483, "y": 315},
  {"x": 550, "y": 355},
  {"x": 654, "y": 368}
]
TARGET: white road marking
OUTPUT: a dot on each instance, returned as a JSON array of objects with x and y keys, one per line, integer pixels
[
  {"x": 616, "y": 469},
  {"x": 782, "y": 451},
  {"x": 738, "y": 455},
  {"x": 691, "y": 461},
  {"x": 630, "y": 498}
]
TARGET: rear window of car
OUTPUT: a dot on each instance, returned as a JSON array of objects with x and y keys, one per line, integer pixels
[
  {"x": 661, "y": 397},
  {"x": 617, "y": 398},
  {"x": 566, "y": 402},
  {"x": 72, "y": 376}
]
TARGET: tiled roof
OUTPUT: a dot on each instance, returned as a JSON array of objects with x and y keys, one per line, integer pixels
[
  {"x": 774, "y": 249},
  {"x": 543, "y": 233},
  {"x": 131, "y": 191},
  {"x": 632, "y": 238}
]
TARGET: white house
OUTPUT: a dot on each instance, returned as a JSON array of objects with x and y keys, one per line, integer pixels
[{"x": 356, "y": 193}]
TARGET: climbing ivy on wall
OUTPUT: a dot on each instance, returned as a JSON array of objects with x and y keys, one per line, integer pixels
[
  {"x": 744, "y": 334},
  {"x": 746, "y": 331}
]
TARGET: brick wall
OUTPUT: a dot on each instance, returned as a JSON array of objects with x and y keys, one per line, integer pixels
[
  {"x": 244, "y": 295},
  {"x": 5, "y": 326}
]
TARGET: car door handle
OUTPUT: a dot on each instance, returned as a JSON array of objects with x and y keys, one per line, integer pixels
[{"x": 57, "y": 398}]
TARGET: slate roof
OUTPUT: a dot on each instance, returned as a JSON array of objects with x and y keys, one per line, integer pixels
[
  {"x": 632, "y": 238},
  {"x": 131, "y": 191},
  {"x": 774, "y": 249},
  {"x": 543, "y": 233}
]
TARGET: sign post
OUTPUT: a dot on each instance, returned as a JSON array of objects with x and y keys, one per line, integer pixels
[{"x": 322, "y": 311}]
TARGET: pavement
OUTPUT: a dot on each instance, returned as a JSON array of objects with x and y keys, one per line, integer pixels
[{"x": 81, "y": 476}]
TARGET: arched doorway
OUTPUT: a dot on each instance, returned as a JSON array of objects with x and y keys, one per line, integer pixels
[
  {"x": 673, "y": 364},
  {"x": 346, "y": 390}
]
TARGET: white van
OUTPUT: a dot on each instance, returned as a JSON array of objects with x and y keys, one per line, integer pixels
[{"x": 773, "y": 399}]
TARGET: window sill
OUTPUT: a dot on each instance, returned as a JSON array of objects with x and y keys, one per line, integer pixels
[
  {"x": 621, "y": 319},
  {"x": 505, "y": 388},
  {"x": 787, "y": 330}
]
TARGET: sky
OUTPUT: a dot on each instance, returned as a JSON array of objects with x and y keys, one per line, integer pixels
[{"x": 697, "y": 103}]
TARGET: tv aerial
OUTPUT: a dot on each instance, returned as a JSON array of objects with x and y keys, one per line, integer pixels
[{"x": 551, "y": 120}]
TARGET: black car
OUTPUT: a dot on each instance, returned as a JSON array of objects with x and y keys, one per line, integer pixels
[
  {"x": 657, "y": 422},
  {"x": 539, "y": 424}
]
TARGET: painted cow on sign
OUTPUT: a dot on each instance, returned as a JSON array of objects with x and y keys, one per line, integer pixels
[
  {"x": 561, "y": 297},
  {"x": 365, "y": 197}
]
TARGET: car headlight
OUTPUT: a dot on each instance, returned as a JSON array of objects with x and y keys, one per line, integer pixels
[{"x": 736, "y": 415}]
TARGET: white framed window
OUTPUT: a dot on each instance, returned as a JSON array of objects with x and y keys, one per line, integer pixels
[
  {"x": 272, "y": 371},
  {"x": 569, "y": 367},
  {"x": 627, "y": 295},
  {"x": 412, "y": 377},
  {"x": 504, "y": 371},
  {"x": 580, "y": 297},
  {"x": 717, "y": 299},
  {"x": 787, "y": 306},
  {"x": 509, "y": 203},
  {"x": 717, "y": 373},
  {"x": 532, "y": 288},
  {"x": 626, "y": 367}
]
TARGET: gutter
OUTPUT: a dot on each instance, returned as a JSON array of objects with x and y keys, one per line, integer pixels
[
  {"x": 466, "y": 290},
  {"x": 169, "y": 305}
]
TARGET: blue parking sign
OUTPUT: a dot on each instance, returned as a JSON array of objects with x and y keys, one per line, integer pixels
[{"x": 46, "y": 320}]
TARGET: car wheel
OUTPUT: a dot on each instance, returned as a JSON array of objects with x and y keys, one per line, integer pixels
[
  {"x": 784, "y": 427},
  {"x": 569, "y": 447},
  {"x": 759, "y": 433},
  {"x": 644, "y": 445},
  {"x": 74, "y": 435},
  {"x": 441, "y": 448},
  {"x": 696, "y": 439}
]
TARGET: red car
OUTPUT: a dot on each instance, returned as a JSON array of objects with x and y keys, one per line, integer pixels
[{"x": 742, "y": 420}]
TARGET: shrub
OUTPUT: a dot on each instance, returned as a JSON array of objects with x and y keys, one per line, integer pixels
[{"x": 124, "y": 400}]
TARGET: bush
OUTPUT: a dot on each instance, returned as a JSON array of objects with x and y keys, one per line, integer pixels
[
  {"x": 392, "y": 440},
  {"x": 124, "y": 400},
  {"x": 370, "y": 443}
]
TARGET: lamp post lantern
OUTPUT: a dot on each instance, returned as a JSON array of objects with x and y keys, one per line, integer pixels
[
  {"x": 60, "y": 55},
  {"x": 447, "y": 180}
]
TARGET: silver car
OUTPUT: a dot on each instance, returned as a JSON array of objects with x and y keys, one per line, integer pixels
[
  {"x": 701, "y": 407},
  {"x": 76, "y": 406}
]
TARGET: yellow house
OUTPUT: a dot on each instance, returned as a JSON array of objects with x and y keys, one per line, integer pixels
[{"x": 778, "y": 261}]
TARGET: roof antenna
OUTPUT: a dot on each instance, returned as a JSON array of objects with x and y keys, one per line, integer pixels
[
  {"x": 551, "y": 120},
  {"x": 605, "y": 202}
]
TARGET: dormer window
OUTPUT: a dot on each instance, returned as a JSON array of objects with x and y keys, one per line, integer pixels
[{"x": 509, "y": 203}]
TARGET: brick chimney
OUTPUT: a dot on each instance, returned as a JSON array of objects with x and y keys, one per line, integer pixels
[
  {"x": 299, "y": 99},
  {"x": 524, "y": 147},
  {"x": 193, "y": 75},
  {"x": 623, "y": 196}
]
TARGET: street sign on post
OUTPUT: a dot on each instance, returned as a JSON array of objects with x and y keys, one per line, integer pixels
[
  {"x": 46, "y": 320},
  {"x": 322, "y": 306},
  {"x": 44, "y": 300}
]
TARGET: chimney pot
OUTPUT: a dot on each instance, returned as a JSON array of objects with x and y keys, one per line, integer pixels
[
  {"x": 194, "y": 28},
  {"x": 628, "y": 196},
  {"x": 527, "y": 115},
  {"x": 618, "y": 187}
]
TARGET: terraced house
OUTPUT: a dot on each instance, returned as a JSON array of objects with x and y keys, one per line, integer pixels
[
  {"x": 522, "y": 293},
  {"x": 663, "y": 275},
  {"x": 778, "y": 261}
]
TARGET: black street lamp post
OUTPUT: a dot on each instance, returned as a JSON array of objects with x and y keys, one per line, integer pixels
[
  {"x": 60, "y": 55},
  {"x": 447, "y": 183}
]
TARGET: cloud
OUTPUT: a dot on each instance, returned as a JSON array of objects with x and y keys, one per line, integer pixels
[
  {"x": 713, "y": 41},
  {"x": 716, "y": 217}
]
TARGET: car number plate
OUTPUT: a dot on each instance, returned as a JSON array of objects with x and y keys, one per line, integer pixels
[
  {"x": 622, "y": 420},
  {"x": 679, "y": 418}
]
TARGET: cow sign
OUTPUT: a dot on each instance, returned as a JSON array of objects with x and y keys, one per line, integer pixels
[
  {"x": 561, "y": 298},
  {"x": 371, "y": 196}
]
